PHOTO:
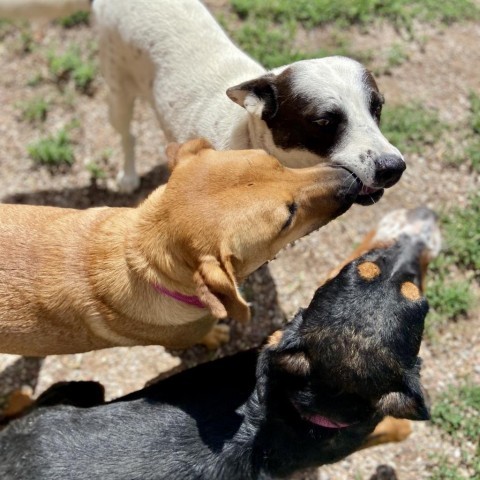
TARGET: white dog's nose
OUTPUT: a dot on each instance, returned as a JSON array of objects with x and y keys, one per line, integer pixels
[{"x": 388, "y": 170}]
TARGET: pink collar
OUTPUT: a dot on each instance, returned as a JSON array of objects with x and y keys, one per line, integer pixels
[
  {"x": 191, "y": 300},
  {"x": 325, "y": 422}
]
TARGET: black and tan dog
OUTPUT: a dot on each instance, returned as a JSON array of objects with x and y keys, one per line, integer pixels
[{"x": 311, "y": 396}]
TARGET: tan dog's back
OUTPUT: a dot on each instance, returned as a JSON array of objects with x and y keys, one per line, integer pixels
[{"x": 32, "y": 238}]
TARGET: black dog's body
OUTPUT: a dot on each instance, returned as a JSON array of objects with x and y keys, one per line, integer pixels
[
  {"x": 205, "y": 423},
  {"x": 311, "y": 396}
]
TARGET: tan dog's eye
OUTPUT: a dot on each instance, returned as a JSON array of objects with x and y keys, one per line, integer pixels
[
  {"x": 368, "y": 270},
  {"x": 292, "y": 210}
]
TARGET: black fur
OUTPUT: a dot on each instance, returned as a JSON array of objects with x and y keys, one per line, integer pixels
[{"x": 350, "y": 356}]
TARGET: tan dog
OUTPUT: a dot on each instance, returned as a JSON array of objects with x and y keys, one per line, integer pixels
[{"x": 161, "y": 273}]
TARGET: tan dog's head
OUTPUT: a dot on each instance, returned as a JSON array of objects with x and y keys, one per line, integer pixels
[{"x": 228, "y": 212}]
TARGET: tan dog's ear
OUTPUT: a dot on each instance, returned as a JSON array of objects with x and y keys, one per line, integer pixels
[
  {"x": 217, "y": 290},
  {"x": 171, "y": 151},
  {"x": 176, "y": 152}
]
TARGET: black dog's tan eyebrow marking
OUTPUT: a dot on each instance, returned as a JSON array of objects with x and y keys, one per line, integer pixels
[
  {"x": 368, "y": 270},
  {"x": 410, "y": 291}
]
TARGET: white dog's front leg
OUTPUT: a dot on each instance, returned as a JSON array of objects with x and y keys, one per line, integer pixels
[
  {"x": 127, "y": 179},
  {"x": 121, "y": 112}
]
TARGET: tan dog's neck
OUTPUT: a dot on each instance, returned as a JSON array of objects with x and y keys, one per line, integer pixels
[{"x": 149, "y": 251}]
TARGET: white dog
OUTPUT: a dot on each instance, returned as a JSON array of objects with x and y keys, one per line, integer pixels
[{"x": 175, "y": 55}]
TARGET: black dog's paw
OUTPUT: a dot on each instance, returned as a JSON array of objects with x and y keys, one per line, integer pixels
[{"x": 384, "y": 472}]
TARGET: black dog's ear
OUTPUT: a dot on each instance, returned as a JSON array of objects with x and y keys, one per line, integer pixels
[
  {"x": 282, "y": 353},
  {"x": 409, "y": 403},
  {"x": 258, "y": 96},
  {"x": 287, "y": 352}
]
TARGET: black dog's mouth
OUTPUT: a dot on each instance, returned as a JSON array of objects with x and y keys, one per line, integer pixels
[
  {"x": 369, "y": 195},
  {"x": 321, "y": 420}
]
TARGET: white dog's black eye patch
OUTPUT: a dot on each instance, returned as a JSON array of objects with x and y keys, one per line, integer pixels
[{"x": 295, "y": 125}]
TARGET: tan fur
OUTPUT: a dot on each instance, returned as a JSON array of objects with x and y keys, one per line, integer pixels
[
  {"x": 73, "y": 281},
  {"x": 368, "y": 270},
  {"x": 274, "y": 338},
  {"x": 18, "y": 401},
  {"x": 410, "y": 291},
  {"x": 389, "y": 430}
]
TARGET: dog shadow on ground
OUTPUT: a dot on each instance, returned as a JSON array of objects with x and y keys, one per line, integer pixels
[
  {"x": 93, "y": 195},
  {"x": 260, "y": 291}
]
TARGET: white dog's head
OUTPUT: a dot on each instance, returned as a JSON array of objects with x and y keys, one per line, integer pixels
[{"x": 323, "y": 110}]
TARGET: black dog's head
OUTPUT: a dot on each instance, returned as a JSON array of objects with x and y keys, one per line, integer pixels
[{"x": 352, "y": 355}]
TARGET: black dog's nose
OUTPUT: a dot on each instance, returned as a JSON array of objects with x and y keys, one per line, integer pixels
[{"x": 388, "y": 170}]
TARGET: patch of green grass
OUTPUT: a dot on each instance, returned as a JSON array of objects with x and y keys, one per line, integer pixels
[
  {"x": 411, "y": 127},
  {"x": 26, "y": 43},
  {"x": 96, "y": 171},
  {"x": 472, "y": 154},
  {"x": 35, "y": 80},
  {"x": 35, "y": 110},
  {"x": 6, "y": 28},
  {"x": 75, "y": 20},
  {"x": 267, "y": 44},
  {"x": 444, "y": 470},
  {"x": 448, "y": 299},
  {"x": 71, "y": 65},
  {"x": 457, "y": 413},
  {"x": 53, "y": 151},
  {"x": 462, "y": 235},
  {"x": 347, "y": 12},
  {"x": 475, "y": 110},
  {"x": 273, "y": 45},
  {"x": 396, "y": 56}
]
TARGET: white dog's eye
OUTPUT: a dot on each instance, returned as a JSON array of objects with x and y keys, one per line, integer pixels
[{"x": 323, "y": 122}]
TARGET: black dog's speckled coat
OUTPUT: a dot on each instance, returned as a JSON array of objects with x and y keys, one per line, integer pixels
[{"x": 351, "y": 356}]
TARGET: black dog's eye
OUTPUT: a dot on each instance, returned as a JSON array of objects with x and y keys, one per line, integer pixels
[{"x": 292, "y": 210}]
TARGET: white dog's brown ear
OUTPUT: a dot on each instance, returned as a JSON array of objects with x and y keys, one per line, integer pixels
[
  {"x": 259, "y": 96},
  {"x": 176, "y": 152},
  {"x": 217, "y": 290}
]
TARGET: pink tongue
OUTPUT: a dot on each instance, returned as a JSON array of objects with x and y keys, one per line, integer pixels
[{"x": 326, "y": 422}]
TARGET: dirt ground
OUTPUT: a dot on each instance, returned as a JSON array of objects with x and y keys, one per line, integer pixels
[{"x": 440, "y": 73}]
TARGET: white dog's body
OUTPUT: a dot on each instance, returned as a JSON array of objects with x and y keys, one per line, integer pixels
[{"x": 174, "y": 54}]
